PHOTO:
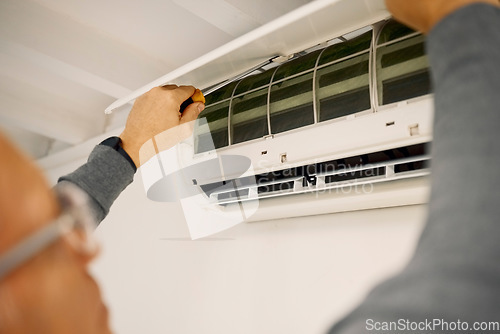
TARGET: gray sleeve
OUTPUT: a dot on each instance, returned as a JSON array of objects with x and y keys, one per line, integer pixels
[
  {"x": 105, "y": 175},
  {"x": 455, "y": 272}
]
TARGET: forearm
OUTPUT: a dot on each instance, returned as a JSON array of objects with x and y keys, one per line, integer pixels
[
  {"x": 454, "y": 274},
  {"x": 105, "y": 175},
  {"x": 464, "y": 52},
  {"x": 108, "y": 172}
]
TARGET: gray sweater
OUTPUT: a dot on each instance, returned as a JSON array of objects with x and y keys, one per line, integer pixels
[
  {"x": 105, "y": 175},
  {"x": 455, "y": 272}
]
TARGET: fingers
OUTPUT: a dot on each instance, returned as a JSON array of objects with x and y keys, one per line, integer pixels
[
  {"x": 169, "y": 87},
  {"x": 186, "y": 123},
  {"x": 180, "y": 93},
  {"x": 183, "y": 93},
  {"x": 191, "y": 112}
]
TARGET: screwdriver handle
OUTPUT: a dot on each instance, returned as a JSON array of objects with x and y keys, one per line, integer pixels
[
  {"x": 196, "y": 97},
  {"x": 185, "y": 104}
]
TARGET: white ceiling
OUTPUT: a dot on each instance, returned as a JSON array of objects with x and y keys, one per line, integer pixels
[{"x": 62, "y": 62}]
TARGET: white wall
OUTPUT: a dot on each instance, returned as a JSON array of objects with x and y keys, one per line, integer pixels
[{"x": 286, "y": 276}]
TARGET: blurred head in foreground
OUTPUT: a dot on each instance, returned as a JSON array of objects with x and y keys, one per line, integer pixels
[{"x": 45, "y": 250}]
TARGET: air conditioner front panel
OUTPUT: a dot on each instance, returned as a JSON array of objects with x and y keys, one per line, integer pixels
[
  {"x": 397, "y": 126},
  {"x": 353, "y": 113}
]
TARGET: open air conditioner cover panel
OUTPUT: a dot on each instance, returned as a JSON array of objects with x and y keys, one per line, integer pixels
[
  {"x": 309, "y": 25},
  {"x": 375, "y": 67}
]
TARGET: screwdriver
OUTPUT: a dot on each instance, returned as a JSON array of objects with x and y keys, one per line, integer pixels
[{"x": 196, "y": 97}]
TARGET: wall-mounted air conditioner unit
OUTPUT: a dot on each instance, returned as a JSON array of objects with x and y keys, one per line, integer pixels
[
  {"x": 339, "y": 125},
  {"x": 337, "y": 119}
]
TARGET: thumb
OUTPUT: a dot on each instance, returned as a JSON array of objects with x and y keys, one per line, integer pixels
[{"x": 192, "y": 111}]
